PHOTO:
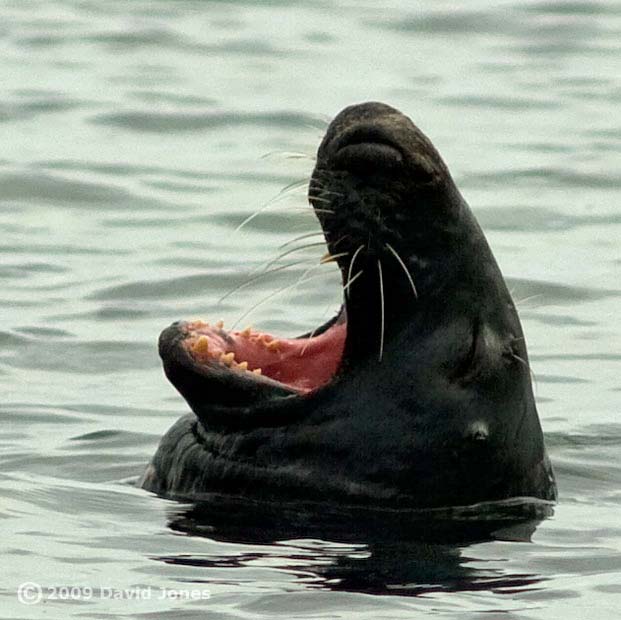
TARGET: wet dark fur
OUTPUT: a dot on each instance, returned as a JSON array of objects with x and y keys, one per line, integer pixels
[{"x": 447, "y": 417}]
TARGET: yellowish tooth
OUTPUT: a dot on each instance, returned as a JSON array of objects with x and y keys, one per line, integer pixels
[
  {"x": 246, "y": 333},
  {"x": 274, "y": 345},
  {"x": 220, "y": 324},
  {"x": 201, "y": 345},
  {"x": 242, "y": 365},
  {"x": 257, "y": 371},
  {"x": 227, "y": 358}
]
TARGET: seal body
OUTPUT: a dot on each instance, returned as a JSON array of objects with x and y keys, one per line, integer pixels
[{"x": 417, "y": 394}]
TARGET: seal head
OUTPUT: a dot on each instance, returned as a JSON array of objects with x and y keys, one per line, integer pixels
[{"x": 416, "y": 394}]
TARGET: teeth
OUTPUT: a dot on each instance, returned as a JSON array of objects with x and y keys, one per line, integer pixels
[
  {"x": 227, "y": 358},
  {"x": 257, "y": 371},
  {"x": 242, "y": 366},
  {"x": 274, "y": 345},
  {"x": 246, "y": 333},
  {"x": 220, "y": 324},
  {"x": 201, "y": 346}
]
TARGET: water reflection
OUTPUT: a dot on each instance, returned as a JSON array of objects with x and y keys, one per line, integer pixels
[{"x": 361, "y": 550}]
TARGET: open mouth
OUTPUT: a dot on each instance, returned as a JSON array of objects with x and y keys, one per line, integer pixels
[
  {"x": 214, "y": 368},
  {"x": 300, "y": 365}
]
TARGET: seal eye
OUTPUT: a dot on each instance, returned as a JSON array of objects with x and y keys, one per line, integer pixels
[{"x": 469, "y": 364}]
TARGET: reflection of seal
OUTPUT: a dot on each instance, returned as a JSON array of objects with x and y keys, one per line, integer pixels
[{"x": 416, "y": 394}]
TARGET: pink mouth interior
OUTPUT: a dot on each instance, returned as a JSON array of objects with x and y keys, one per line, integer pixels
[{"x": 303, "y": 364}]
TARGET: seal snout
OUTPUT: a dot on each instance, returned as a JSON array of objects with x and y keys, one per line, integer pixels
[{"x": 365, "y": 148}]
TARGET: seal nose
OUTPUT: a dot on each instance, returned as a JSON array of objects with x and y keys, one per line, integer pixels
[{"x": 365, "y": 148}]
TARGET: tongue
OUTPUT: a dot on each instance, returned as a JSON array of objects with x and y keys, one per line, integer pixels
[{"x": 304, "y": 364}]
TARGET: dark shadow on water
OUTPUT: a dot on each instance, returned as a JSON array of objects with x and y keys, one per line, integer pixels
[{"x": 360, "y": 550}]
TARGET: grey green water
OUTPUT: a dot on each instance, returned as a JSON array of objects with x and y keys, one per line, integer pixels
[{"x": 133, "y": 140}]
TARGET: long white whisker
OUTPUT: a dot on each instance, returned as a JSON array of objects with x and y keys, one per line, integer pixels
[
  {"x": 519, "y": 302},
  {"x": 405, "y": 269},
  {"x": 288, "y": 155},
  {"x": 252, "y": 280},
  {"x": 352, "y": 280},
  {"x": 330, "y": 258},
  {"x": 527, "y": 365},
  {"x": 292, "y": 251},
  {"x": 318, "y": 198},
  {"x": 281, "y": 194},
  {"x": 351, "y": 265},
  {"x": 306, "y": 236},
  {"x": 300, "y": 280}
]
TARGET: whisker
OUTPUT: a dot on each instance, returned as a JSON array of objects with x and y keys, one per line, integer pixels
[
  {"x": 405, "y": 269},
  {"x": 313, "y": 187},
  {"x": 292, "y": 251},
  {"x": 331, "y": 258},
  {"x": 252, "y": 280},
  {"x": 324, "y": 121},
  {"x": 300, "y": 280},
  {"x": 352, "y": 280},
  {"x": 281, "y": 194},
  {"x": 293, "y": 186},
  {"x": 529, "y": 298},
  {"x": 305, "y": 236},
  {"x": 527, "y": 365},
  {"x": 309, "y": 210},
  {"x": 351, "y": 265},
  {"x": 318, "y": 198},
  {"x": 288, "y": 155},
  {"x": 381, "y": 287}
]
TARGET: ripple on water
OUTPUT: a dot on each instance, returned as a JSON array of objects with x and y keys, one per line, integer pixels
[
  {"x": 21, "y": 111},
  {"x": 90, "y": 357},
  {"x": 552, "y": 292},
  {"x": 546, "y": 177},
  {"x": 171, "y": 122},
  {"x": 40, "y": 188}
]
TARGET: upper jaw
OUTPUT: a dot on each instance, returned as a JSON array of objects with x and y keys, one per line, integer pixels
[{"x": 204, "y": 385}]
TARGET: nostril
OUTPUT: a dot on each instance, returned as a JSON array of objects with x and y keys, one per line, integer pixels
[
  {"x": 365, "y": 149},
  {"x": 367, "y": 157}
]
